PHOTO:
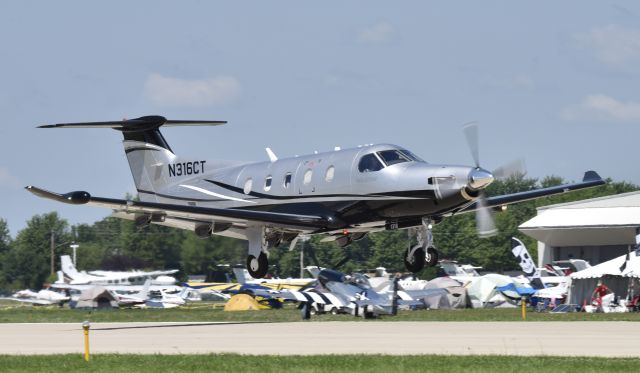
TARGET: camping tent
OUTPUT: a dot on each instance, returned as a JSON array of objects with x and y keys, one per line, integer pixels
[
  {"x": 95, "y": 297},
  {"x": 456, "y": 293},
  {"x": 483, "y": 292},
  {"x": 620, "y": 274}
]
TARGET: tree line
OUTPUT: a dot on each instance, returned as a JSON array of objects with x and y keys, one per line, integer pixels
[{"x": 116, "y": 244}]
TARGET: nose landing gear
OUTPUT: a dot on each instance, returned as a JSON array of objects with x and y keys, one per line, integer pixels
[{"x": 424, "y": 253}]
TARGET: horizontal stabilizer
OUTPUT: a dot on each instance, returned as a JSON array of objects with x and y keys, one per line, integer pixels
[{"x": 138, "y": 124}]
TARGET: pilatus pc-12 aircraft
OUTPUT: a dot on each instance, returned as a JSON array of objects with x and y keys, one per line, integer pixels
[{"x": 344, "y": 194}]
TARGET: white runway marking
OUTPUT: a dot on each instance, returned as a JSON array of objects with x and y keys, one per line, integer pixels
[{"x": 310, "y": 338}]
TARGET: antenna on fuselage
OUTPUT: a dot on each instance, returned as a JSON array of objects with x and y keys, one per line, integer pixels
[{"x": 271, "y": 154}]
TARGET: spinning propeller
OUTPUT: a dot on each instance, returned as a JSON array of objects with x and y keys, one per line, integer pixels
[{"x": 480, "y": 178}]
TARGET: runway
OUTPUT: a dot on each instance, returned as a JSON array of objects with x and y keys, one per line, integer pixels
[{"x": 607, "y": 339}]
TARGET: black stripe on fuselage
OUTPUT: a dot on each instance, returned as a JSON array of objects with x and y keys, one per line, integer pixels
[
  {"x": 422, "y": 194},
  {"x": 129, "y": 150}
]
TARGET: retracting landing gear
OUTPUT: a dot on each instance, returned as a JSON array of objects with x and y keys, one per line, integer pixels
[
  {"x": 424, "y": 253},
  {"x": 259, "y": 243}
]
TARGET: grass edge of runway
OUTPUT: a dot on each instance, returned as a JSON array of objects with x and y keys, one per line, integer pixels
[
  {"x": 335, "y": 363},
  {"x": 20, "y": 314}
]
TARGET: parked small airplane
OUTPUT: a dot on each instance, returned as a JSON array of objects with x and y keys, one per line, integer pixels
[
  {"x": 43, "y": 297},
  {"x": 244, "y": 278},
  {"x": 100, "y": 277},
  {"x": 351, "y": 294},
  {"x": 345, "y": 193},
  {"x": 155, "y": 299}
]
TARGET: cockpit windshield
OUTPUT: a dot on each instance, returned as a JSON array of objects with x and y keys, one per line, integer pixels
[
  {"x": 358, "y": 280},
  {"x": 394, "y": 156}
]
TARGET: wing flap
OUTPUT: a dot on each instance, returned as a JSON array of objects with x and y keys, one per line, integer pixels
[{"x": 187, "y": 212}]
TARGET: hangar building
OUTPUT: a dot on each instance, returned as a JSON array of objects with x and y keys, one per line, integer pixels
[{"x": 595, "y": 230}]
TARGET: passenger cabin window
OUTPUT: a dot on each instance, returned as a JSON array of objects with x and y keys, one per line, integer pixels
[
  {"x": 328, "y": 176},
  {"x": 391, "y": 157},
  {"x": 287, "y": 180},
  {"x": 369, "y": 163},
  {"x": 307, "y": 176},
  {"x": 267, "y": 183},
  {"x": 247, "y": 186}
]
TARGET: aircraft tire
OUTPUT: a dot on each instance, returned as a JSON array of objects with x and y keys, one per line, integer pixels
[
  {"x": 431, "y": 259},
  {"x": 258, "y": 267},
  {"x": 418, "y": 260}
]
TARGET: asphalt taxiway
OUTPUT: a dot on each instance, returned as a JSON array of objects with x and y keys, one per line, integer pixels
[{"x": 607, "y": 339}]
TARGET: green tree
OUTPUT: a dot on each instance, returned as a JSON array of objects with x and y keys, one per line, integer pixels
[
  {"x": 5, "y": 247},
  {"x": 27, "y": 263}
]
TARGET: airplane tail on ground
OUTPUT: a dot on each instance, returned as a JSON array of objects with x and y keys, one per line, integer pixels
[
  {"x": 68, "y": 268},
  {"x": 242, "y": 275},
  {"x": 153, "y": 164}
]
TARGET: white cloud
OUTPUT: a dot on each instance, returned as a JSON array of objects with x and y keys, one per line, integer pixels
[
  {"x": 8, "y": 180},
  {"x": 174, "y": 92},
  {"x": 381, "y": 32},
  {"x": 601, "y": 107},
  {"x": 612, "y": 44}
]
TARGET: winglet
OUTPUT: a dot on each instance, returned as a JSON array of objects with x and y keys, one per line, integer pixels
[
  {"x": 591, "y": 176},
  {"x": 72, "y": 198}
]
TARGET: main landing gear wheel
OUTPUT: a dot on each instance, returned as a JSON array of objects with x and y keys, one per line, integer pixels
[
  {"x": 431, "y": 259},
  {"x": 259, "y": 266},
  {"x": 414, "y": 262}
]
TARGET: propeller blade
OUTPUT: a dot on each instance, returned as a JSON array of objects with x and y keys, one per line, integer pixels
[
  {"x": 515, "y": 167},
  {"x": 471, "y": 133},
  {"x": 484, "y": 219}
]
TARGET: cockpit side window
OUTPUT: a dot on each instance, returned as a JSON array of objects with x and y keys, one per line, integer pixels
[
  {"x": 369, "y": 163},
  {"x": 391, "y": 157}
]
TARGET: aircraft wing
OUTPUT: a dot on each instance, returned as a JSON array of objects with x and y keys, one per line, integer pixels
[
  {"x": 187, "y": 212},
  {"x": 40, "y": 302},
  {"x": 131, "y": 288},
  {"x": 590, "y": 179},
  {"x": 303, "y": 296}
]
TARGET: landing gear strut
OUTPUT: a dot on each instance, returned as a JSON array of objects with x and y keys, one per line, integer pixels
[
  {"x": 424, "y": 253},
  {"x": 260, "y": 239}
]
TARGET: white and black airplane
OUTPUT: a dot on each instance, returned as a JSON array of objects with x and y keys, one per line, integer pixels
[{"x": 345, "y": 193}]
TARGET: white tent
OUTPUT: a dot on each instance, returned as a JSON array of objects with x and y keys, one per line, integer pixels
[
  {"x": 483, "y": 293},
  {"x": 620, "y": 274}
]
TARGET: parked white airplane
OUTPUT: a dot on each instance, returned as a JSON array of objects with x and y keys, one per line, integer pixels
[
  {"x": 243, "y": 277},
  {"x": 113, "y": 278},
  {"x": 156, "y": 299},
  {"x": 43, "y": 297}
]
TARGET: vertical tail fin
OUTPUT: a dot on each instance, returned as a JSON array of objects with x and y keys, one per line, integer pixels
[
  {"x": 68, "y": 268},
  {"x": 150, "y": 156},
  {"x": 242, "y": 275},
  {"x": 144, "y": 293}
]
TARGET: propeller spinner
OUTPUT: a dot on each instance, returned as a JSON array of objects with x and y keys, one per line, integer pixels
[{"x": 480, "y": 178}]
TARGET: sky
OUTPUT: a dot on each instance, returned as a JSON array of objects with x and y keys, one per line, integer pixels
[{"x": 555, "y": 83}]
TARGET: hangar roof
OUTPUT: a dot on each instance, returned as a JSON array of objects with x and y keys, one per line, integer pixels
[{"x": 610, "y": 220}]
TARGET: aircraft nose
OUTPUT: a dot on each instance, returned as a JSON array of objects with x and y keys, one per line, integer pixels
[{"x": 480, "y": 178}]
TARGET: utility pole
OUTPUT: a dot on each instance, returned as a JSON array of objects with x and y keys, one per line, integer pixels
[
  {"x": 53, "y": 244},
  {"x": 302, "y": 259}
]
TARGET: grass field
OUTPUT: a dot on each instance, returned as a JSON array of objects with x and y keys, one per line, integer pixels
[
  {"x": 208, "y": 312},
  {"x": 331, "y": 363}
]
